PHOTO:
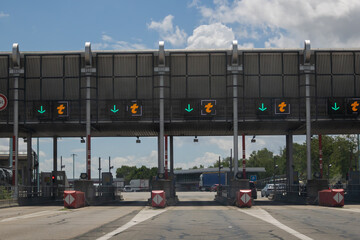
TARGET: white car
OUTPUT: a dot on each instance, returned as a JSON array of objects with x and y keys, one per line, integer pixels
[
  {"x": 267, "y": 190},
  {"x": 128, "y": 189}
]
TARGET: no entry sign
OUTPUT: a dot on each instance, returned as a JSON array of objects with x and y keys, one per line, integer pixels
[{"x": 3, "y": 102}]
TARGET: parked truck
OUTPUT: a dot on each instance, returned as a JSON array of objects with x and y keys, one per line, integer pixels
[
  {"x": 208, "y": 179},
  {"x": 137, "y": 185}
]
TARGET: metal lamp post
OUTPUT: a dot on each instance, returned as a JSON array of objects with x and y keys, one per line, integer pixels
[{"x": 73, "y": 155}]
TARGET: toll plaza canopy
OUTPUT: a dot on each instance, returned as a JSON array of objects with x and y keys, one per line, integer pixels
[{"x": 198, "y": 92}]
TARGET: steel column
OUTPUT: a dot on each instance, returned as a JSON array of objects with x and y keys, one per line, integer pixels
[
  {"x": 161, "y": 70},
  {"x": 289, "y": 160},
  {"x": 55, "y": 155},
  {"x": 358, "y": 137},
  {"x": 320, "y": 156},
  {"x": 16, "y": 132},
  {"x": 88, "y": 70},
  {"x": 234, "y": 68},
  {"x": 15, "y": 71},
  {"x": 166, "y": 157},
  {"x": 171, "y": 155},
  {"x": 161, "y": 123},
  {"x": 308, "y": 68},
  {"x": 88, "y": 122},
  {"x": 10, "y": 151},
  {"x": 308, "y": 126},
  {"x": 29, "y": 160},
  {"x": 38, "y": 164},
  {"x": 244, "y": 161},
  {"x": 235, "y": 124}
]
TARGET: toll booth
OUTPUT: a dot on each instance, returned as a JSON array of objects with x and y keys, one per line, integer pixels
[
  {"x": 61, "y": 179},
  {"x": 107, "y": 188},
  {"x": 46, "y": 184}
]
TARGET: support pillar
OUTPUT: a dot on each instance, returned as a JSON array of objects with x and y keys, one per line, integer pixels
[
  {"x": 15, "y": 72},
  {"x": 235, "y": 68},
  {"x": 29, "y": 164},
  {"x": 55, "y": 156},
  {"x": 163, "y": 184},
  {"x": 88, "y": 71},
  {"x": 307, "y": 69},
  {"x": 166, "y": 157},
  {"x": 320, "y": 156},
  {"x": 243, "y": 157},
  {"x": 171, "y": 156},
  {"x": 161, "y": 70},
  {"x": 29, "y": 159},
  {"x": 10, "y": 151},
  {"x": 289, "y": 160}
]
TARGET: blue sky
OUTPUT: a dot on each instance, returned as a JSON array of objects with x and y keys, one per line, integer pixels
[{"x": 140, "y": 24}]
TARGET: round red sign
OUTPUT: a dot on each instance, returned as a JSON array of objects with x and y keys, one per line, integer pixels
[{"x": 3, "y": 102}]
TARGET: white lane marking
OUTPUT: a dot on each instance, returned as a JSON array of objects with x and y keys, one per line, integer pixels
[
  {"x": 31, "y": 215},
  {"x": 355, "y": 210},
  {"x": 143, "y": 215},
  {"x": 265, "y": 216}
]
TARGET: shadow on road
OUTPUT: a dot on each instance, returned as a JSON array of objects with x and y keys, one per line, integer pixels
[{"x": 197, "y": 203}]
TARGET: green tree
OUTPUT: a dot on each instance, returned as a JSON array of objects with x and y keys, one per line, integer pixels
[
  {"x": 265, "y": 158},
  {"x": 132, "y": 172}
]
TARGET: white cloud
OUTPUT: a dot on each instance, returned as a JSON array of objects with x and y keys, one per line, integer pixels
[
  {"x": 283, "y": 23},
  {"x": 110, "y": 43},
  {"x": 215, "y": 35},
  {"x": 151, "y": 160},
  {"x": 3, "y": 15},
  {"x": 174, "y": 35},
  {"x": 42, "y": 154},
  {"x": 209, "y": 158},
  {"x": 78, "y": 150}
]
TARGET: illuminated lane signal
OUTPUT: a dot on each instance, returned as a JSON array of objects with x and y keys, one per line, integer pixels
[
  {"x": 282, "y": 106},
  {"x": 61, "y": 109},
  {"x": 353, "y": 106},
  {"x": 190, "y": 108},
  {"x": 263, "y": 107},
  {"x": 335, "y": 107},
  {"x": 134, "y": 108},
  {"x": 42, "y": 110},
  {"x": 208, "y": 107},
  {"x": 115, "y": 109}
]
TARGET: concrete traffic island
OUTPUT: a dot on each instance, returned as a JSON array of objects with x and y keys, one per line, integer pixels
[
  {"x": 313, "y": 187},
  {"x": 168, "y": 187},
  {"x": 227, "y": 196},
  {"x": 106, "y": 194}
]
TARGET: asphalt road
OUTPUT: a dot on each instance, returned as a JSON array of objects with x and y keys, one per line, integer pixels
[{"x": 197, "y": 216}]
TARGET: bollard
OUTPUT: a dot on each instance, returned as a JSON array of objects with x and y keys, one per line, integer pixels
[
  {"x": 74, "y": 199},
  {"x": 243, "y": 198},
  {"x": 158, "y": 198},
  {"x": 331, "y": 197}
]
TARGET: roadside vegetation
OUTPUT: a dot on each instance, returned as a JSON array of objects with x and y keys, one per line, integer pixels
[
  {"x": 340, "y": 155},
  {"x": 4, "y": 193}
]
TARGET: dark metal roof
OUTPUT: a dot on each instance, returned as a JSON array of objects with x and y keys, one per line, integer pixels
[{"x": 195, "y": 75}]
